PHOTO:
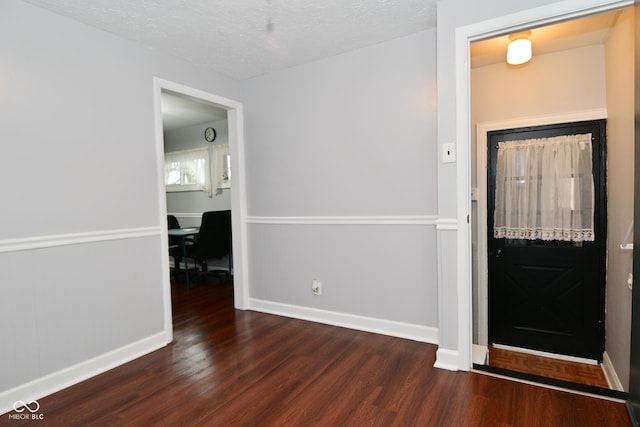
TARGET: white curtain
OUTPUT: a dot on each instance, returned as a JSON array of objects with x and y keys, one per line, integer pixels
[
  {"x": 545, "y": 189},
  {"x": 222, "y": 166},
  {"x": 188, "y": 170}
]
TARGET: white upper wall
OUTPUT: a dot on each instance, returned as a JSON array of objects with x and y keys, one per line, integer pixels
[
  {"x": 77, "y": 108},
  {"x": 561, "y": 82},
  {"x": 352, "y": 134}
]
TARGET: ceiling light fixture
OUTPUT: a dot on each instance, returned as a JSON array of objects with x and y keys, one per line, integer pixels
[
  {"x": 269, "y": 20},
  {"x": 272, "y": 42},
  {"x": 519, "y": 49}
]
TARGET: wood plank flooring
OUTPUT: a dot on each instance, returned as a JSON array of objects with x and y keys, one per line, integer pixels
[
  {"x": 242, "y": 368},
  {"x": 580, "y": 373}
]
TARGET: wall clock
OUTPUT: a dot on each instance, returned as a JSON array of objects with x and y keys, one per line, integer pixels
[{"x": 210, "y": 134}]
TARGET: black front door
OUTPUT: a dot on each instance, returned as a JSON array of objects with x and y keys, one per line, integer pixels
[{"x": 549, "y": 295}]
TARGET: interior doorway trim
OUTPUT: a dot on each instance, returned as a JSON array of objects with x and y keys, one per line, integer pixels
[
  {"x": 543, "y": 15},
  {"x": 481, "y": 197},
  {"x": 235, "y": 119}
]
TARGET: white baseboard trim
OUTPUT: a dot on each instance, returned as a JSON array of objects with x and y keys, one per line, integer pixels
[
  {"x": 479, "y": 354},
  {"x": 447, "y": 359},
  {"x": 67, "y": 377},
  {"x": 610, "y": 373},
  {"x": 361, "y": 323}
]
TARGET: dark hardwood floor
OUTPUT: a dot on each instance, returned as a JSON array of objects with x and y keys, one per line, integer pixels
[{"x": 242, "y": 368}]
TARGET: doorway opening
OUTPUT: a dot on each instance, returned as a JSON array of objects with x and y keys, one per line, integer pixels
[
  {"x": 487, "y": 115},
  {"x": 234, "y": 133}
]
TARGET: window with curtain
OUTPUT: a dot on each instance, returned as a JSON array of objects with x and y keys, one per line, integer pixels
[
  {"x": 188, "y": 170},
  {"x": 545, "y": 189},
  {"x": 222, "y": 166}
]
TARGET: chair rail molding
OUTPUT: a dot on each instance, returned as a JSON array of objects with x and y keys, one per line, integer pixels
[
  {"x": 54, "y": 240},
  {"x": 196, "y": 215},
  {"x": 345, "y": 220},
  {"x": 450, "y": 224}
]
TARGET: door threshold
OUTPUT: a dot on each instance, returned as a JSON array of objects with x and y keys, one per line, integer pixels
[
  {"x": 564, "y": 357},
  {"x": 552, "y": 383}
]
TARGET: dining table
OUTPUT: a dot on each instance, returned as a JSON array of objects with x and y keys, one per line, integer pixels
[{"x": 185, "y": 235}]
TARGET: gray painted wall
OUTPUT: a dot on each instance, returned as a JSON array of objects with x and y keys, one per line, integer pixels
[
  {"x": 620, "y": 174},
  {"x": 80, "y": 258},
  {"x": 348, "y": 136}
]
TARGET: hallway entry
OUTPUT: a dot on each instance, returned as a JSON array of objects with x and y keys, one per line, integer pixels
[{"x": 546, "y": 234}]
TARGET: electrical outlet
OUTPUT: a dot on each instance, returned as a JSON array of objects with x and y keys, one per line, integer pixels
[{"x": 316, "y": 287}]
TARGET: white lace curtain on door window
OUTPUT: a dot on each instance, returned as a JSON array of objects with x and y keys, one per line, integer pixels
[{"x": 544, "y": 189}]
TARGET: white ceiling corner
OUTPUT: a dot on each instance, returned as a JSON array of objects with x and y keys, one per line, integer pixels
[{"x": 232, "y": 37}]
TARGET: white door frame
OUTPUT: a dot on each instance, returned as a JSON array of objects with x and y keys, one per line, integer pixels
[
  {"x": 544, "y": 15},
  {"x": 235, "y": 119}
]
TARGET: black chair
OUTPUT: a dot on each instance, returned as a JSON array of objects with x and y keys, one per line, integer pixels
[
  {"x": 172, "y": 222},
  {"x": 213, "y": 240},
  {"x": 175, "y": 248}
]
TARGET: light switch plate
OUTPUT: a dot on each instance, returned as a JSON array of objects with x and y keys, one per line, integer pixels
[{"x": 448, "y": 153}]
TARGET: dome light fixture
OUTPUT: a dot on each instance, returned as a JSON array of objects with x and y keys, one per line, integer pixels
[{"x": 519, "y": 49}]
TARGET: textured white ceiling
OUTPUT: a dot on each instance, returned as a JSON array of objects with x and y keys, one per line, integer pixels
[
  {"x": 234, "y": 38},
  {"x": 179, "y": 111}
]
